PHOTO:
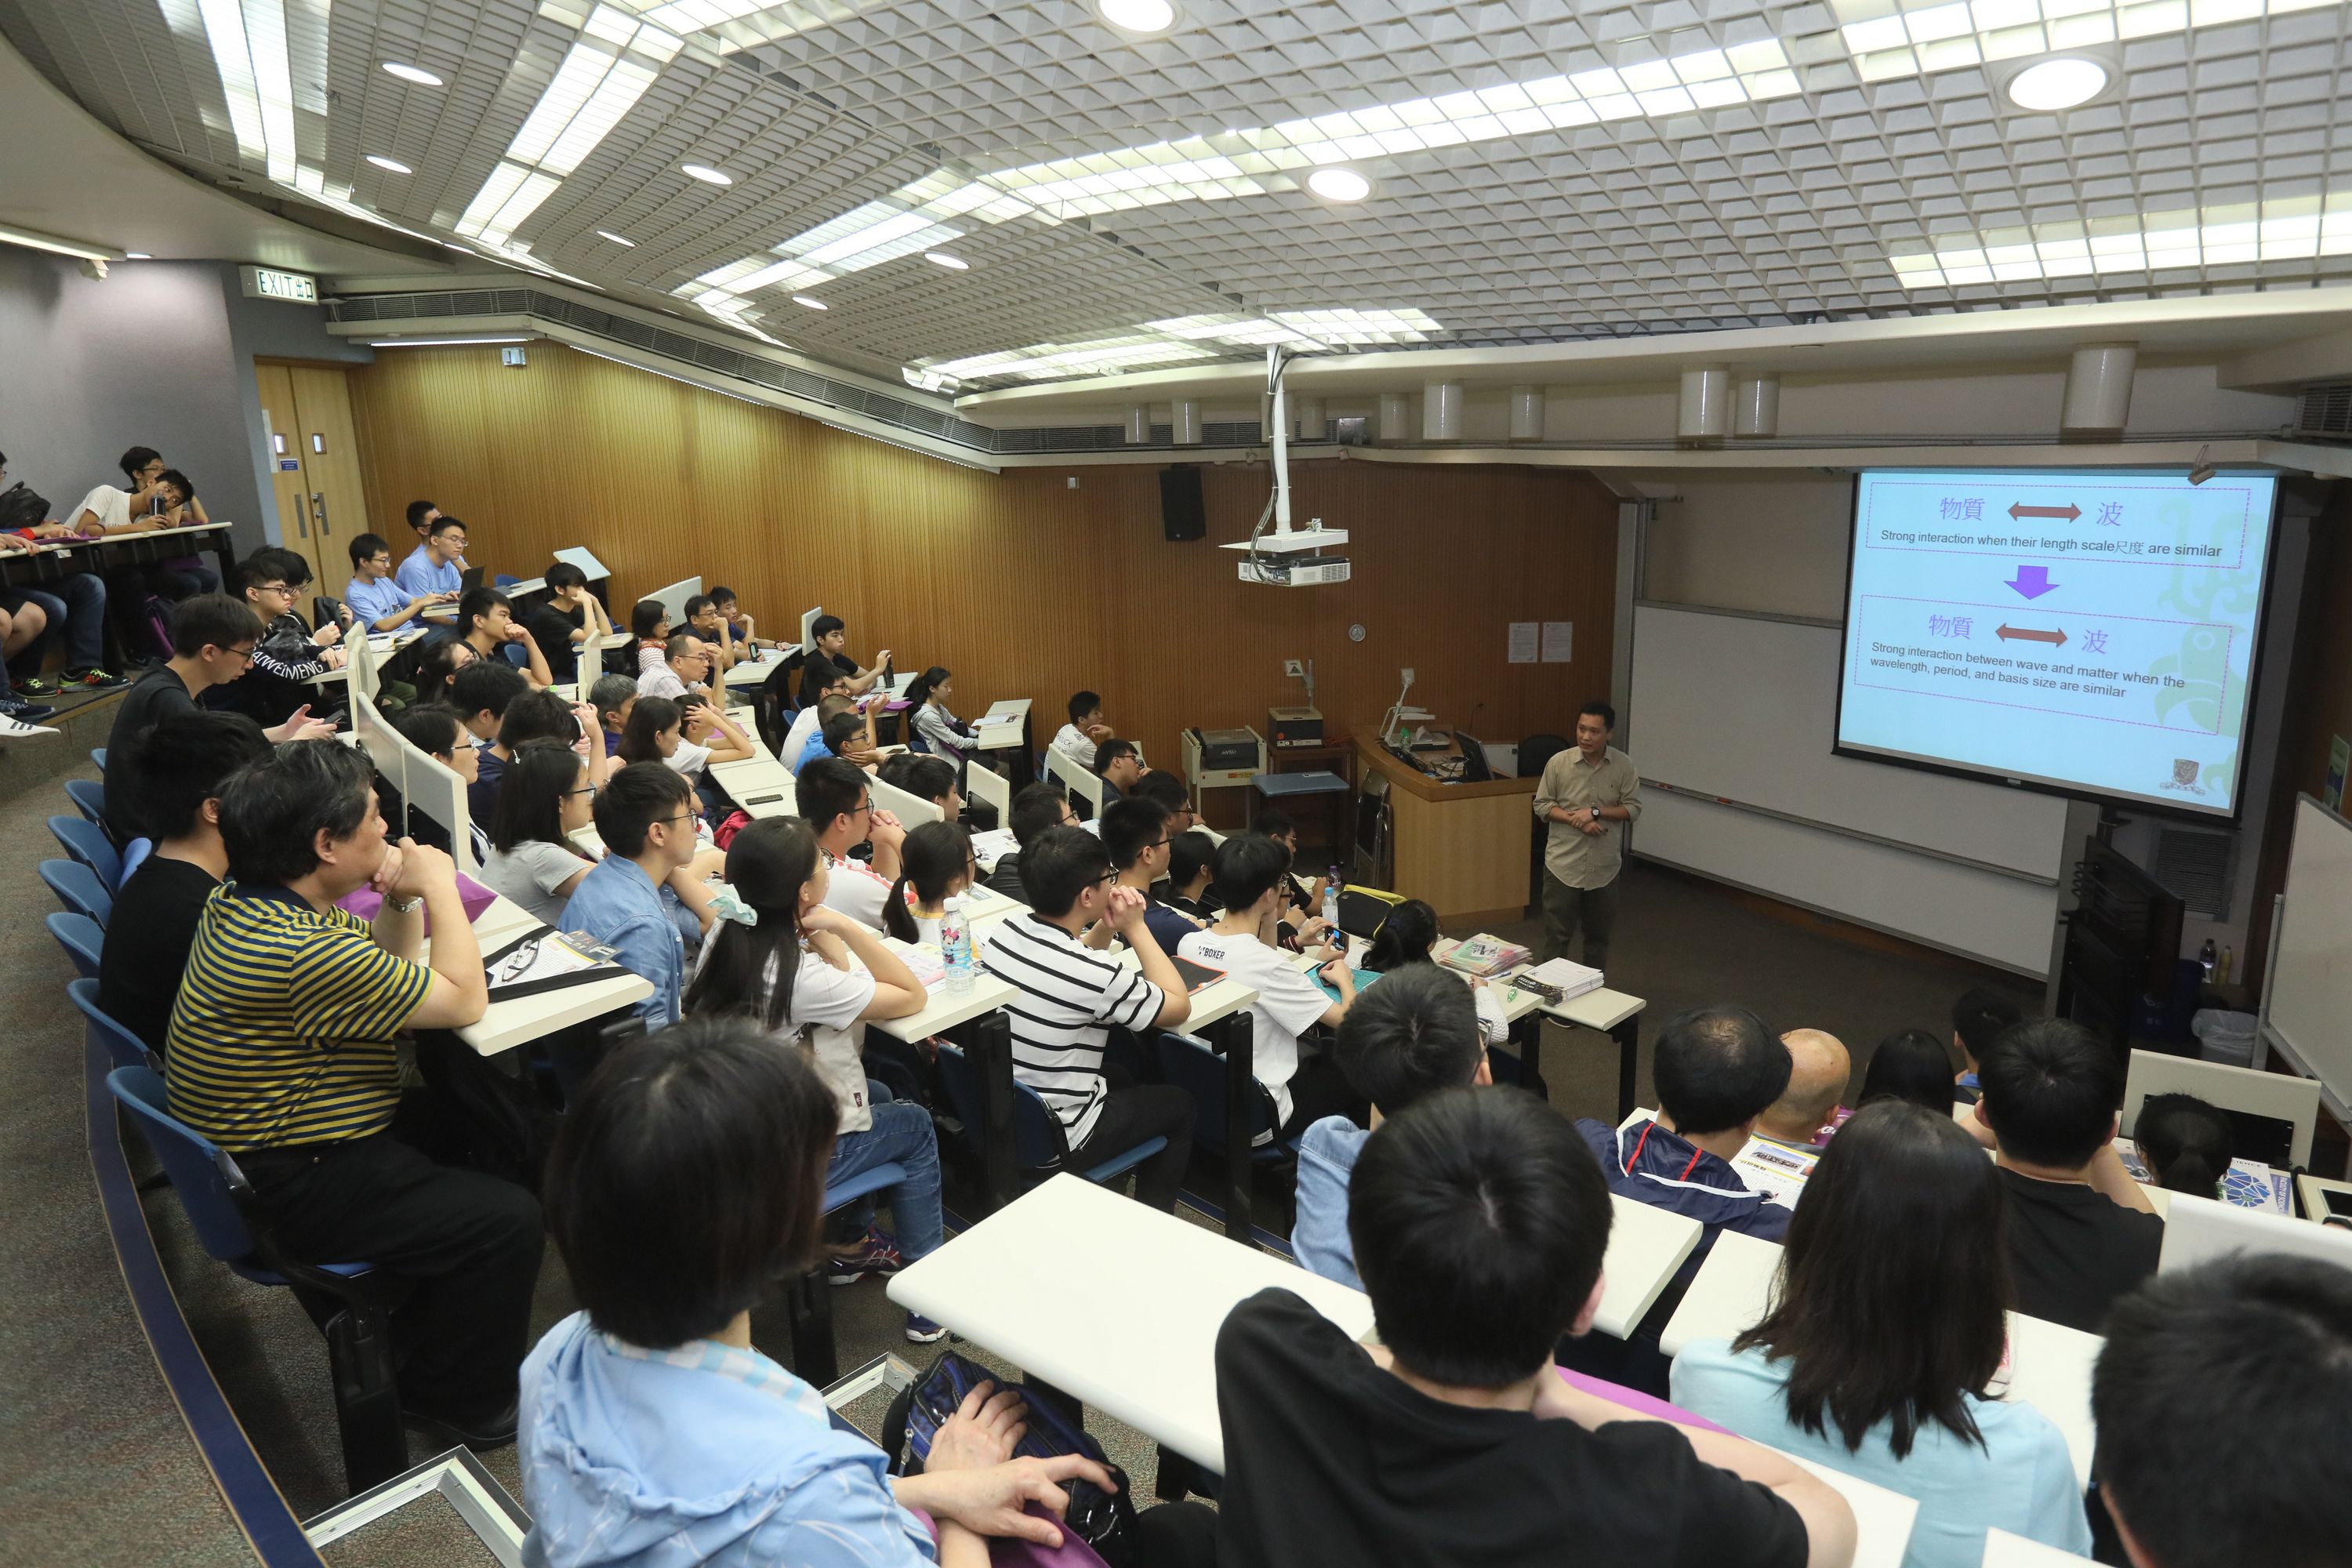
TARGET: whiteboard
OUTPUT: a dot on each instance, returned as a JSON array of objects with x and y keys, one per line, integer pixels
[
  {"x": 2309, "y": 1009},
  {"x": 1746, "y": 709}
]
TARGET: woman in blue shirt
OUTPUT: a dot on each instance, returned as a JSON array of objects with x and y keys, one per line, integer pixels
[
  {"x": 1888, "y": 1326},
  {"x": 685, "y": 1187}
]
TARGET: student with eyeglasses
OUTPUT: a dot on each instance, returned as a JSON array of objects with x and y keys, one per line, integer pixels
[
  {"x": 213, "y": 639},
  {"x": 549, "y": 794},
  {"x": 372, "y": 594},
  {"x": 1135, "y": 831},
  {"x": 645, "y": 814},
  {"x": 289, "y": 657},
  {"x": 838, "y": 804}
]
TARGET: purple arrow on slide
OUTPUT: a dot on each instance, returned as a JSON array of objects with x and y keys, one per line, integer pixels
[{"x": 2031, "y": 580}]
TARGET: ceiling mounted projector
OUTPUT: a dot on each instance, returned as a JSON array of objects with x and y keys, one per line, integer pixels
[{"x": 1287, "y": 557}]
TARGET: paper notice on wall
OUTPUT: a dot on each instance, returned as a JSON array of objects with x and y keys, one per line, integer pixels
[
  {"x": 1559, "y": 641},
  {"x": 2339, "y": 763},
  {"x": 1523, "y": 642}
]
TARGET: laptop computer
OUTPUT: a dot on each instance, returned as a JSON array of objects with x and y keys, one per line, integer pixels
[{"x": 472, "y": 579}]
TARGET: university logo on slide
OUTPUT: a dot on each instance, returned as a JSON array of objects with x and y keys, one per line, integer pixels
[{"x": 2184, "y": 777}]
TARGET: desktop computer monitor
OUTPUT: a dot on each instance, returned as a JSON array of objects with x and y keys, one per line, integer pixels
[{"x": 1474, "y": 766}]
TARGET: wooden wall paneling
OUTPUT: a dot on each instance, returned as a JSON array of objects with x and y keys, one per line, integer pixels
[{"x": 1021, "y": 584}]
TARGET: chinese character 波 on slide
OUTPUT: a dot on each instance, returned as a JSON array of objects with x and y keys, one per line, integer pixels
[
  {"x": 2111, "y": 514},
  {"x": 2094, "y": 642}
]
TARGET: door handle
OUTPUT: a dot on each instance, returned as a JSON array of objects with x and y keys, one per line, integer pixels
[
  {"x": 319, "y": 499},
  {"x": 301, "y": 518}
]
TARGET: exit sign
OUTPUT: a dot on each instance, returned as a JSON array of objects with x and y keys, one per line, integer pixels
[{"x": 269, "y": 283}]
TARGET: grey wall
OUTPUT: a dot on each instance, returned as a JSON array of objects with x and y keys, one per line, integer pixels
[{"x": 159, "y": 355}]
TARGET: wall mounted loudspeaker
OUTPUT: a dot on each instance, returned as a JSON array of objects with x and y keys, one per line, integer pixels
[{"x": 1181, "y": 515}]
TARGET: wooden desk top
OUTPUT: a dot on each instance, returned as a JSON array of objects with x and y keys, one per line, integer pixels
[{"x": 1404, "y": 777}]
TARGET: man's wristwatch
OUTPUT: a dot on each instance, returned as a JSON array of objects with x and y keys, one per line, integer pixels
[
  {"x": 408, "y": 908},
  {"x": 1596, "y": 817}
]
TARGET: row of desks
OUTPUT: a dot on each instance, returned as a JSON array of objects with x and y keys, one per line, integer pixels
[{"x": 50, "y": 559}]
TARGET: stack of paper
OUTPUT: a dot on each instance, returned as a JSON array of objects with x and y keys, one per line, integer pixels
[
  {"x": 1572, "y": 979},
  {"x": 992, "y": 846},
  {"x": 1483, "y": 955}
]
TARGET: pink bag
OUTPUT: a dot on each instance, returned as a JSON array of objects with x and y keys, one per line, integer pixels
[
  {"x": 1634, "y": 1400},
  {"x": 364, "y": 901},
  {"x": 1002, "y": 1553}
]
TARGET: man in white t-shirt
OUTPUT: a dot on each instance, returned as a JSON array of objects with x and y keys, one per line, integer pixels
[
  {"x": 1252, "y": 875},
  {"x": 834, "y": 798},
  {"x": 1086, "y": 730},
  {"x": 805, "y": 723},
  {"x": 1071, "y": 994}
]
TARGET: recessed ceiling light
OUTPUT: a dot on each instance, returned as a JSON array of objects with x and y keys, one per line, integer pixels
[
  {"x": 1138, "y": 15},
  {"x": 136, "y": 256},
  {"x": 952, "y": 263},
  {"x": 617, "y": 239},
  {"x": 2057, "y": 84},
  {"x": 389, "y": 165},
  {"x": 410, "y": 73},
  {"x": 706, "y": 173},
  {"x": 1340, "y": 184},
  {"x": 811, "y": 304}
]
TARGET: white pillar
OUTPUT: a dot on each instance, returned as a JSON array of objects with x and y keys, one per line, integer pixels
[
  {"x": 1396, "y": 416},
  {"x": 1441, "y": 411},
  {"x": 1755, "y": 407},
  {"x": 2098, "y": 392},
  {"x": 1139, "y": 424},
  {"x": 1185, "y": 415},
  {"x": 1706, "y": 413},
  {"x": 1312, "y": 425},
  {"x": 1526, "y": 414}
]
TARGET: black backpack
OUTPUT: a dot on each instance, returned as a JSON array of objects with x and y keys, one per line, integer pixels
[{"x": 22, "y": 508}]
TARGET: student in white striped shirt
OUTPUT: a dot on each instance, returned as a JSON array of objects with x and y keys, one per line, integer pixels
[{"x": 1070, "y": 993}]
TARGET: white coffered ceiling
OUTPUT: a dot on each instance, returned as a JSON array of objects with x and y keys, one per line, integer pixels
[{"x": 1540, "y": 170}]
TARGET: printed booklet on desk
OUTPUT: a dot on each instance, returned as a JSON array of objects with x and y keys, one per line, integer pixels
[{"x": 544, "y": 960}]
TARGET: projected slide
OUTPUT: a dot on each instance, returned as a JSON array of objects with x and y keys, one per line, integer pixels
[{"x": 2093, "y": 632}]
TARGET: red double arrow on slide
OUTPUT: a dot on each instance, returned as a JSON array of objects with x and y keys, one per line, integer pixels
[
  {"x": 2012, "y": 634},
  {"x": 2069, "y": 512}
]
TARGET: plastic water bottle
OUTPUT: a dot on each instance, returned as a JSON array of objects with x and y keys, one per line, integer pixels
[
  {"x": 955, "y": 943},
  {"x": 1331, "y": 897}
]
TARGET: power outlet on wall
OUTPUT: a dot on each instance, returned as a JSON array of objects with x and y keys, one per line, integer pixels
[{"x": 1294, "y": 669}]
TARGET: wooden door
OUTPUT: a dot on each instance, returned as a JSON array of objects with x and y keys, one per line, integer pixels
[
  {"x": 331, "y": 469},
  {"x": 290, "y": 483}
]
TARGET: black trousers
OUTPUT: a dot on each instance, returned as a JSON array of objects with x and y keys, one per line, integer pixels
[
  {"x": 470, "y": 1244},
  {"x": 1128, "y": 1116},
  {"x": 1318, "y": 1090}
]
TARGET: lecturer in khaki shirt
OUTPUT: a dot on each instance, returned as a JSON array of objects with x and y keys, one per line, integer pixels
[{"x": 1587, "y": 794}]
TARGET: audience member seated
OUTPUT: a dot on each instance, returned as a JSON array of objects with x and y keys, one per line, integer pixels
[
  {"x": 935, "y": 865},
  {"x": 380, "y": 603},
  {"x": 487, "y": 624},
  {"x": 2185, "y": 1143},
  {"x": 1168, "y": 789},
  {"x": 1192, "y": 881},
  {"x": 718, "y": 637},
  {"x": 1806, "y": 1113},
  {"x": 1135, "y": 831},
  {"x": 213, "y": 638},
  {"x": 1978, "y": 1019},
  {"x": 1080, "y": 738},
  {"x": 481, "y": 692},
  {"x": 1912, "y": 1065},
  {"x": 1037, "y": 807},
  {"x": 1479, "y": 1228},
  {"x": 1413, "y": 1034},
  {"x": 289, "y": 658},
  {"x": 2081, "y": 1230},
  {"x": 435, "y": 728},
  {"x": 811, "y": 977},
  {"x": 285, "y": 1050},
  {"x": 1302, "y": 908},
  {"x": 649, "y": 625},
  {"x": 808, "y": 718},
  {"x": 1407, "y": 937},
  {"x": 1070, "y": 995},
  {"x": 644, "y": 815},
  {"x": 439, "y": 660},
  {"x": 1718, "y": 1069},
  {"x": 572, "y": 619},
  {"x": 829, "y": 654},
  {"x": 178, "y": 768},
  {"x": 421, "y": 515},
  {"x": 548, "y": 795},
  {"x": 1885, "y": 1331},
  {"x": 836, "y": 800},
  {"x": 1117, "y": 764},
  {"x": 613, "y": 695},
  {"x": 930, "y": 720},
  {"x": 1245, "y": 942},
  {"x": 2220, "y": 1398},
  {"x": 846, "y": 734},
  {"x": 685, "y": 667},
  {"x": 653, "y": 1432},
  {"x": 69, "y": 607},
  {"x": 926, "y": 778},
  {"x": 437, "y": 565},
  {"x": 530, "y": 716},
  {"x": 739, "y": 624}
]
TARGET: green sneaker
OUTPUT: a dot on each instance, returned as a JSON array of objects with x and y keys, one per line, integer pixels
[
  {"x": 38, "y": 686},
  {"x": 94, "y": 680}
]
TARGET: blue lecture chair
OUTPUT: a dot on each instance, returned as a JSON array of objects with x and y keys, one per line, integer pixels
[
  {"x": 217, "y": 1201},
  {"x": 134, "y": 854},
  {"x": 79, "y": 889},
  {"x": 814, "y": 1360},
  {"x": 81, "y": 937},
  {"x": 1200, "y": 1072},
  {"x": 1039, "y": 1147},
  {"x": 124, "y": 1048},
  {"x": 89, "y": 796},
  {"x": 87, "y": 842},
  {"x": 98, "y": 755}
]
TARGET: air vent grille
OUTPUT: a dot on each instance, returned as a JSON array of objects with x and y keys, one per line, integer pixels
[
  {"x": 2326, "y": 410},
  {"x": 2194, "y": 867}
]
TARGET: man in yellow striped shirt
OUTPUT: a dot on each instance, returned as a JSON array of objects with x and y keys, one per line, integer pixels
[{"x": 284, "y": 1051}]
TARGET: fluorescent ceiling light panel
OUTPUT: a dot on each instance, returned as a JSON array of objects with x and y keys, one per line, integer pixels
[
  {"x": 617, "y": 239},
  {"x": 1923, "y": 38},
  {"x": 602, "y": 77},
  {"x": 389, "y": 165},
  {"x": 37, "y": 240},
  {"x": 1175, "y": 341},
  {"x": 738, "y": 23},
  {"x": 416, "y": 74},
  {"x": 2291, "y": 229},
  {"x": 248, "y": 39}
]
